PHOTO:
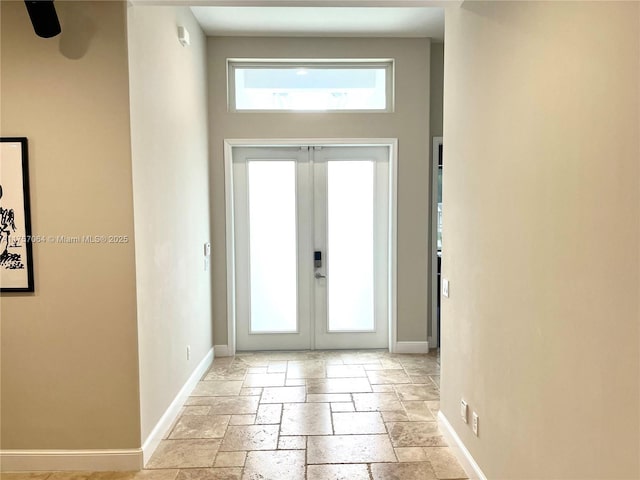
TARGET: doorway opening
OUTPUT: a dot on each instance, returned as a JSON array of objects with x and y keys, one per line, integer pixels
[
  {"x": 311, "y": 249},
  {"x": 436, "y": 241}
]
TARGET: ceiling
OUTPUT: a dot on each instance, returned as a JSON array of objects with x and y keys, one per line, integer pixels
[{"x": 316, "y": 21}]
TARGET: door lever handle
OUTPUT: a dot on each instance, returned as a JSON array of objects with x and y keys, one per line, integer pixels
[{"x": 320, "y": 275}]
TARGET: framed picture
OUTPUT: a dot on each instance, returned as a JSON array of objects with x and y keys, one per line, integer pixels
[{"x": 16, "y": 258}]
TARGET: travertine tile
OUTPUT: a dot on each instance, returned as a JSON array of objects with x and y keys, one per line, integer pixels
[
  {"x": 278, "y": 465},
  {"x": 217, "y": 388},
  {"x": 242, "y": 420},
  {"x": 230, "y": 459},
  {"x": 24, "y": 475},
  {"x": 418, "y": 411},
  {"x": 250, "y": 391},
  {"x": 434, "y": 406},
  {"x": 383, "y": 388},
  {"x": 312, "y": 369},
  {"x": 200, "y": 426},
  {"x": 228, "y": 405},
  {"x": 349, "y": 449},
  {"x": 269, "y": 414},
  {"x": 402, "y": 471},
  {"x": 360, "y": 359},
  {"x": 352, "y": 398},
  {"x": 356, "y": 471},
  {"x": 228, "y": 473},
  {"x": 444, "y": 463},
  {"x": 196, "y": 410},
  {"x": 306, "y": 419},
  {"x": 295, "y": 382},
  {"x": 345, "y": 371},
  {"x": 66, "y": 475},
  {"x": 250, "y": 437},
  {"x": 164, "y": 474},
  {"x": 184, "y": 454},
  {"x": 110, "y": 475},
  {"x": 417, "y": 392},
  {"x": 294, "y": 442},
  {"x": 328, "y": 397},
  {"x": 410, "y": 454},
  {"x": 431, "y": 369},
  {"x": 415, "y": 434},
  {"x": 264, "y": 380},
  {"x": 378, "y": 377},
  {"x": 371, "y": 402},
  {"x": 358, "y": 423},
  {"x": 338, "y": 385},
  {"x": 395, "y": 416},
  {"x": 277, "y": 367},
  {"x": 342, "y": 407},
  {"x": 283, "y": 395},
  {"x": 226, "y": 374}
]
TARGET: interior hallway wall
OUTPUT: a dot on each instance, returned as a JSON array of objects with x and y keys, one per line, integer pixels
[
  {"x": 171, "y": 201},
  {"x": 435, "y": 126},
  {"x": 409, "y": 123},
  {"x": 541, "y": 202},
  {"x": 69, "y": 350}
]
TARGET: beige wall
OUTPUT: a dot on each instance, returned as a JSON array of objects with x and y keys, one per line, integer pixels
[
  {"x": 435, "y": 127},
  {"x": 69, "y": 350},
  {"x": 409, "y": 124},
  {"x": 436, "y": 87},
  {"x": 541, "y": 194},
  {"x": 171, "y": 199}
]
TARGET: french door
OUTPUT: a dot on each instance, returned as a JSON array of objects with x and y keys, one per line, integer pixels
[{"x": 311, "y": 229}]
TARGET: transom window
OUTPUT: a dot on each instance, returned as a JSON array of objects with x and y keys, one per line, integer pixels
[{"x": 304, "y": 85}]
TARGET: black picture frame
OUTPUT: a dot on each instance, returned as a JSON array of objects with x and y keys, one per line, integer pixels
[{"x": 16, "y": 252}]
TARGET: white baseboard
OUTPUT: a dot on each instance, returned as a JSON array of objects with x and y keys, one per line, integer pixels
[
  {"x": 460, "y": 450},
  {"x": 153, "y": 440},
  {"x": 222, "y": 351},
  {"x": 66, "y": 460},
  {"x": 411, "y": 347}
]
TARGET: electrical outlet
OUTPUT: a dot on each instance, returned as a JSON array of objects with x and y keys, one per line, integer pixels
[
  {"x": 474, "y": 423},
  {"x": 463, "y": 411},
  {"x": 188, "y": 352},
  {"x": 445, "y": 287}
]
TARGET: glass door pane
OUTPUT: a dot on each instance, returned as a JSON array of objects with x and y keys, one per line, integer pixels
[
  {"x": 350, "y": 234},
  {"x": 273, "y": 245}
]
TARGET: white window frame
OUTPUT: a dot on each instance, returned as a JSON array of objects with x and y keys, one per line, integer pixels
[{"x": 387, "y": 63}]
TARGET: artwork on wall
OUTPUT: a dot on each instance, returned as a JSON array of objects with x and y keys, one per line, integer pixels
[{"x": 16, "y": 262}]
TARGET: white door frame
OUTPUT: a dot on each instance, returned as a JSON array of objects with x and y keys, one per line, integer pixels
[{"x": 229, "y": 144}]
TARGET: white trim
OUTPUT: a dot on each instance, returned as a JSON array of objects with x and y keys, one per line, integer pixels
[
  {"x": 230, "y": 248},
  {"x": 411, "y": 347},
  {"x": 437, "y": 141},
  {"x": 393, "y": 246},
  {"x": 459, "y": 449},
  {"x": 221, "y": 351},
  {"x": 153, "y": 440},
  {"x": 68, "y": 460},
  {"x": 392, "y": 143}
]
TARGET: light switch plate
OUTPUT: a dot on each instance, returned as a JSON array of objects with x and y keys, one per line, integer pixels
[{"x": 445, "y": 287}]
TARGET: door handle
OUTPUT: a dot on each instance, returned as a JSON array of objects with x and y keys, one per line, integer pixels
[{"x": 320, "y": 275}]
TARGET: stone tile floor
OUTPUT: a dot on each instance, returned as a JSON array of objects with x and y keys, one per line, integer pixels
[{"x": 316, "y": 415}]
